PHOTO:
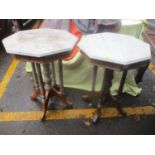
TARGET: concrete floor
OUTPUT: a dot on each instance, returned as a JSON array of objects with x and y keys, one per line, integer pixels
[{"x": 16, "y": 99}]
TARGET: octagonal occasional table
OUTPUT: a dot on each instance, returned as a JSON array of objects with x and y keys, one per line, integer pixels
[
  {"x": 42, "y": 46},
  {"x": 114, "y": 52}
]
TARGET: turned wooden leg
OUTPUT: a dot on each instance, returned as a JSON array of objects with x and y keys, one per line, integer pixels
[
  {"x": 106, "y": 84},
  {"x": 95, "y": 68},
  {"x": 48, "y": 96},
  {"x": 122, "y": 82},
  {"x": 91, "y": 95},
  {"x": 48, "y": 87},
  {"x": 55, "y": 85},
  {"x": 47, "y": 76},
  {"x": 140, "y": 73},
  {"x": 42, "y": 89},
  {"x": 116, "y": 100},
  {"x": 61, "y": 75},
  {"x": 41, "y": 83},
  {"x": 53, "y": 73},
  {"x": 36, "y": 92}
]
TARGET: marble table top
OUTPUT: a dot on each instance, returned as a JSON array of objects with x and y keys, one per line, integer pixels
[
  {"x": 39, "y": 42},
  {"x": 115, "y": 48}
]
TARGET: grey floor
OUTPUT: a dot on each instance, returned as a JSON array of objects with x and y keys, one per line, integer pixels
[{"x": 16, "y": 98}]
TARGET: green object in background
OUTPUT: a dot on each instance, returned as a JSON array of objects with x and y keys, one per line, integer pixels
[
  {"x": 131, "y": 27},
  {"x": 78, "y": 71}
]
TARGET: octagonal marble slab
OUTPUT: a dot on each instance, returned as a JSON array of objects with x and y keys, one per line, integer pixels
[
  {"x": 39, "y": 42},
  {"x": 115, "y": 48}
]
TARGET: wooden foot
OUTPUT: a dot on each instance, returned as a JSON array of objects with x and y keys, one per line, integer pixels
[
  {"x": 120, "y": 109},
  {"x": 47, "y": 95},
  {"x": 55, "y": 91},
  {"x": 97, "y": 115},
  {"x": 35, "y": 94},
  {"x": 95, "y": 118}
]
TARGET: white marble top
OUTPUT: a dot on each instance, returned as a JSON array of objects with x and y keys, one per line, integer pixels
[
  {"x": 115, "y": 48},
  {"x": 39, "y": 42}
]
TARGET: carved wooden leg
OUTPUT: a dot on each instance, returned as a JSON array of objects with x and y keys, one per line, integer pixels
[
  {"x": 41, "y": 84},
  {"x": 116, "y": 102},
  {"x": 95, "y": 68},
  {"x": 42, "y": 89},
  {"x": 47, "y": 76},
  {"x": 48, "y": 96},
  {"x": 106, "y": 84},
  {"x": 61, "y": 75},
  {"x": 92, "y": 94},
  {"x": 48, "y": 87},
  {"x": 140, "y": 73},
  {"x": 122, "y": 82},
  {"x": 36, "y": 92},
  {"x": 53, "y": 73}
]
